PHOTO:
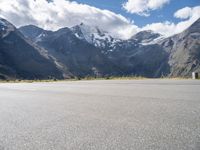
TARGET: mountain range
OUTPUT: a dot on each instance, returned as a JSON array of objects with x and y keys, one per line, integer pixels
[{"x": 30, "y": 52}]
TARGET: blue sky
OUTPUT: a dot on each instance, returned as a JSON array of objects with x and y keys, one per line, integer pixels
[
  {"x": 159, "y": 15},
  {"x": 121, "y": 18}
]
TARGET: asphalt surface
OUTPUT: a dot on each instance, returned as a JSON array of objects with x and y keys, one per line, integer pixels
[{"x": 100, "y": 115}]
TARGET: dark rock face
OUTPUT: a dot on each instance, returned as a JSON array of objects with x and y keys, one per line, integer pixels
[
  {"x": 78, "y": 52},
  {"x": 20, "y": 59}
]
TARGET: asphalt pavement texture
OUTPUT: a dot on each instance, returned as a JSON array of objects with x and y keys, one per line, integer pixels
[{"x": 158, "y": 114}]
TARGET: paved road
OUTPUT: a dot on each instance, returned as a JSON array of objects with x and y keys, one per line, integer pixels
[{"x": 100, "y": 115}]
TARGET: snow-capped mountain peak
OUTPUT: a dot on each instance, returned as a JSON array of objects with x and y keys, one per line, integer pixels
[{"x": 92, "y": 34}]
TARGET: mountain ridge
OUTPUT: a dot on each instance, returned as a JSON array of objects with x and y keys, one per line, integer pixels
[
  {"x": 21, "y": 59},
  {"x": 82, "y": 51}
]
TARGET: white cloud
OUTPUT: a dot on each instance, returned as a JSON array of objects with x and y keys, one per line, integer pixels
[
  {"x": 169, "y": 28},
  {"x": 184, "y": 13},
  {"x": 143, "y": 7},
  {"x": 62, "y": 13}
]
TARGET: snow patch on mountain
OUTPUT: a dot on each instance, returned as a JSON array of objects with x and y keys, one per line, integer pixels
[
  {"x": 5, "y": 28},
  {"x": 92, "y": 35},
  {"x": 152, "y": 41},
  {"x": 40, "y": 37}
]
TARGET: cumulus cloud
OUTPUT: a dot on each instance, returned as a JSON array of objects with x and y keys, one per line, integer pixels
[
  {"x": 55, "y": 14},
  {"x": 143, "y": 7},
  {"x": 169, "y": 28},
  {"x": 184, "y": 13}
]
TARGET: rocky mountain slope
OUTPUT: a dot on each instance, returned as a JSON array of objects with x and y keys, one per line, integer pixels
[
  {"x": 184, "y": 51},
  {"x": 21, "y": 59},
  {"x": 75, "y": 49}
]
